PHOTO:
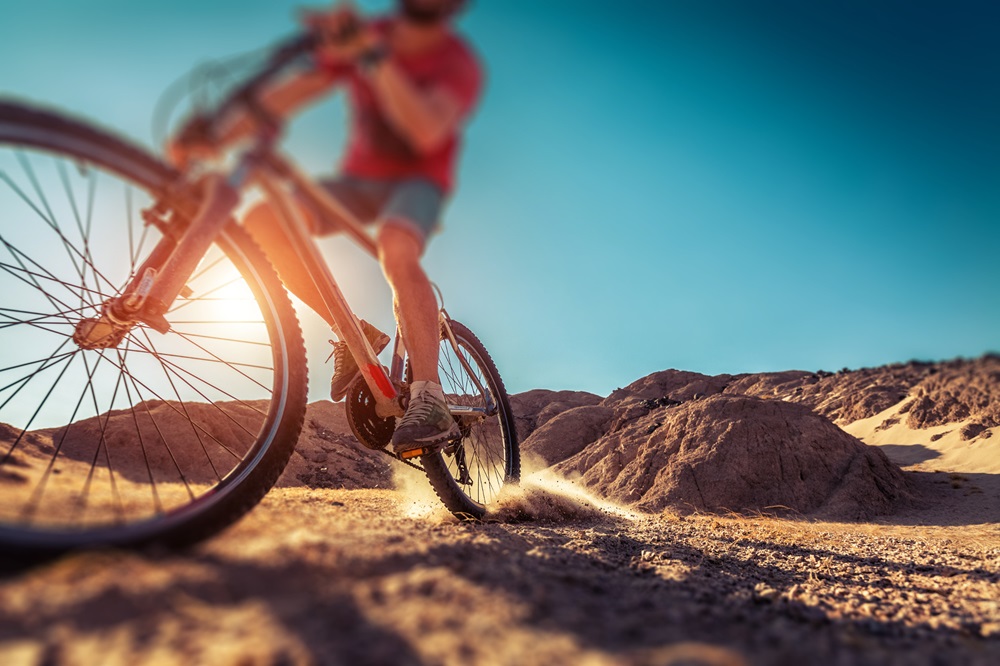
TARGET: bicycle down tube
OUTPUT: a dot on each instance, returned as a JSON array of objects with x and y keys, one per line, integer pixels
[{"x": 308, "y": 253}]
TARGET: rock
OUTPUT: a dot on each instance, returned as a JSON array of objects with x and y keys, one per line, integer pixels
[
  {"x": 960, "y": 390},
  {"x": 739, "y": 453},
  {"x": 535, "y": 408},
  {"x": 327, "y": 455},
  {"x": 568, "y": 433}
]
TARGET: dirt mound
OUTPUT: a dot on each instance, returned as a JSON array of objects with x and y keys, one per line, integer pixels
[
  {"x": 957, "y": 391},
  {"x": 533, "y": 409},
  {"x": 945, "y": 392},
  {"x": 158, "y": 437},
  {"x": 738, "y": 453},
  {"x": 843, "y": 397},
  {"x": 674, "y": 385},
  {"x": 328, "y": 455},
  {"x": 164, "y": 438},
  {"x": 568, "y": 433}
]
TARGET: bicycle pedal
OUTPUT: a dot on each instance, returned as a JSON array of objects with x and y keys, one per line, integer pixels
[{"x": 416, "y": 453}]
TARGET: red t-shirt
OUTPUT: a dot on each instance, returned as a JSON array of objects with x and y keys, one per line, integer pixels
[{"x": 374, "y": 148}]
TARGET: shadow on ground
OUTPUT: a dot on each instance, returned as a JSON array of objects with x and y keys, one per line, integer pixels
[{"x": 487, "y": 594}]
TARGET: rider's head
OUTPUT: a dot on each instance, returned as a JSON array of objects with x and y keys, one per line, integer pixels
[{"x": 429, "y": 11}]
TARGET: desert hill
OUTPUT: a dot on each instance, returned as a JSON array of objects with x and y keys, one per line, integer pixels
[
  {"x": 786, "y": 439},
  {"x": 811, "y": 443},
  {"x": 817, "y": 443}
]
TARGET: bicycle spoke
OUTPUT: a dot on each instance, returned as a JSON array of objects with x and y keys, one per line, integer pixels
[
  {"x": 177, "y": 411},
  {"x": 71, "y": 249},
  {"x": 50, "y": 220},
  {"x": 37, "y": 410},
  {"x": 102, "y": 445},
  {"x": 42, "y": 328},
  {"x": 62, "y": 314},
  {"x": 39, "y": 490},
  {"x": 187, "y": 415},
  {"x": 215, "y": 262},
  {"x": 40, "y": 319},
  {"x": 158, "y": 506},
  {"x": 229, "y": 363},
  {"x": 156, "y": 426},
  {"x": 186, "y": 303},
  {"x": 177, "y": 370},
  {"x": 24, "y": 381},
  {"x": 188, "y": 334},
  {"x": 32, "y": 282},
  {"x": 41, "y": 360},
  {"x": 64, "y": 177},
  {"x": 47, "y": 275}
]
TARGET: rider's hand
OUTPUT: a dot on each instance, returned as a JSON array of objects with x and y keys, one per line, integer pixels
[{"x": 344, "y": 35}]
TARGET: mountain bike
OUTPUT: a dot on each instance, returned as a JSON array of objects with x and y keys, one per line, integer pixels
[{"x": 153, "y": 374}]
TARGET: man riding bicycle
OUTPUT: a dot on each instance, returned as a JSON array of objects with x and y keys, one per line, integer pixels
[{"x": 412, "y": 83}]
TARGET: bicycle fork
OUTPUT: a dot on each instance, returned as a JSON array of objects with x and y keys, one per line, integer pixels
[
  {"x": 163, "y": 277},
  {"x": 164, "y": 274}
]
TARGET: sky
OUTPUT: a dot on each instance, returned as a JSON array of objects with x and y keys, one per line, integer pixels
[{"x": 716, "y": 186}]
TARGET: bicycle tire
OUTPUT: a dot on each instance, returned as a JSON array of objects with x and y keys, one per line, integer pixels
[
  {"x": 490, "y": 446},
  {"x": 205, "y": 461}
]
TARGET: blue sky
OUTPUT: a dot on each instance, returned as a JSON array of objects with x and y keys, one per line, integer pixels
[{"x": 715, "y": 186}]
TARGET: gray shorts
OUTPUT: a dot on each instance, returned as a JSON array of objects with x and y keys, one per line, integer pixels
[{"x": 413, "y": 204}]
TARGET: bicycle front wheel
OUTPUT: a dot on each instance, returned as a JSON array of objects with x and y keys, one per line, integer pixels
[
  {"x": 469, "y": 476},
  {"x": 155, "y": 437}
]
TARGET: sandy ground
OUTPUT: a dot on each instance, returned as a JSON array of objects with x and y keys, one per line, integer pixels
[{"x": 385, "y": 577}]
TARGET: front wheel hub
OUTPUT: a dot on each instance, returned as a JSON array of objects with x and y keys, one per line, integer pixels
[{"x": 101, "y": 332}]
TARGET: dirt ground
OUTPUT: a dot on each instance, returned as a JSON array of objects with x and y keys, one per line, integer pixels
[{"x": 315, "y": 576}]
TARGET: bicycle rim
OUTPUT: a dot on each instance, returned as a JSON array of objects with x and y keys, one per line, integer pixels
[
  {"x": 141, "y": 440},
  {"x": 470, "y": 477}
]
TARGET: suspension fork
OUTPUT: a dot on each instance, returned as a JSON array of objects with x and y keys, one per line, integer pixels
[
  {"x": 158, "y": 284},
  {"x": 164, "y": 274}
]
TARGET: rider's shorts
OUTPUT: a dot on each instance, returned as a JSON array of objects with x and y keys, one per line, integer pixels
[{"x": 414, "y": 204}]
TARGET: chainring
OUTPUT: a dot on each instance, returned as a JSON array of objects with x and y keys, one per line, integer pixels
[{"x": 371, "y": 429}]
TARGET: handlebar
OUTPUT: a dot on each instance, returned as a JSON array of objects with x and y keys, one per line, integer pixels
[{"x": 245, "y": 96}]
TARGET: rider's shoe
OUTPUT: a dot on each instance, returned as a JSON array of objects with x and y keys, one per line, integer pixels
[
  {"x": 427, "y": 424},
  {"x": 345, "y": 368}
]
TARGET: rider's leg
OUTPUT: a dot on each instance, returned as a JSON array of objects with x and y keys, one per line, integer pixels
[
  {"x": 414, "y": 300},
  {"x": 427, "y": 422}
]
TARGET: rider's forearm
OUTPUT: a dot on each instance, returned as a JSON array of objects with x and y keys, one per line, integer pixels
[
  {"x": 280, "y": 102},
  {"x": 424, "y": 119}
]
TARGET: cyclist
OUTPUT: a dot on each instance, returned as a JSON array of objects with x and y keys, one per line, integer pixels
[{"x": 412, "y": 82}]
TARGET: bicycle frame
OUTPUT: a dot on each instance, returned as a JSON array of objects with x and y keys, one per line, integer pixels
[
  {"x": 160, "y": 280},
  {"x": 156, "y": 287}
]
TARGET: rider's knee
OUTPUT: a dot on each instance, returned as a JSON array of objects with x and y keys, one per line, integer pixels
[{"x": 399, "y": 249}]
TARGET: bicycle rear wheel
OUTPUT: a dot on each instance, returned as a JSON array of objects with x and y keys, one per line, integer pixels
[
  {"x": 469, "y": 476},
  {"x": 161, "y": 437}
]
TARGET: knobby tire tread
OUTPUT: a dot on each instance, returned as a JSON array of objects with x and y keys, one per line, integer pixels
[{"x": 444, "y": 484}]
